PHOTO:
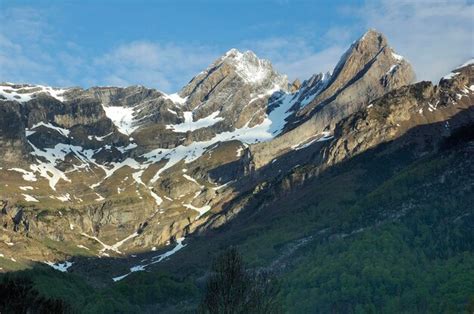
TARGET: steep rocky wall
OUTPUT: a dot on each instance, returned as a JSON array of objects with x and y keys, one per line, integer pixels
[
  {"x": 367, "y": 71},
  {"x": 12, "y": 134},
  {"x": 396, "y": 113}
]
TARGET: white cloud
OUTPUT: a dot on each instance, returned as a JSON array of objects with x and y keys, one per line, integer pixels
[
  {"x": 32, "y": 51},
  {"x": 162, "y": 66},
  {"x": 23, "y": 36},
  {"x": 435, "y": 36},
  {"x": 26, "y": 24}
]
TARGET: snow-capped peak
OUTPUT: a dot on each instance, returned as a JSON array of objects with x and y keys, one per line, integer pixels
[{"x": 248, "y": 66}]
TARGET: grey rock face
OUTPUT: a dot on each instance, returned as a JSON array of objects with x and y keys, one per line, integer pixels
[
  {"x": 368, "y": 70},
  {"x": 215, "y": 89},
  {"x": 12, "y": 134},
  {"x": 116, "y": 96},
  {"x": 150, "y": 105},
  {"x": 440, "y": 109},
  {"x": 309, "y": 89}
]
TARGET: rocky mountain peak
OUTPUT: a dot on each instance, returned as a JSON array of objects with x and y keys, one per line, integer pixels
[
  {"x": 367, "y": 70},
  {"x": 372, "y": 54},
  {"x": 361, "y": 51},
  {"x": 248, "y": 66},
  {"x": 234, "y": 64},
  {"x": 213, "y": 90},
  {"x": 373, "y": 38}
]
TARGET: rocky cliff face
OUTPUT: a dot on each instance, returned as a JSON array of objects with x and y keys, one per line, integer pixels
[
  {"x": 113, "y": 171},
  {"x": 368, "y": 70},
  {"x": 441, "y": 110},
  {"x": 213, "y": 90},
  {"x": 12, "y": 134}
]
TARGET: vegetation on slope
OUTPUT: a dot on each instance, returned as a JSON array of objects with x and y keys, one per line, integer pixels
[{"x": 381, "y": 233}]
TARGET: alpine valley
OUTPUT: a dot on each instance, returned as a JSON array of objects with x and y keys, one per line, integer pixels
[{"x": 355, "y": 187}]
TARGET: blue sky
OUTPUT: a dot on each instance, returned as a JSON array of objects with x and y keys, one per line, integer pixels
[{"x": 163, "y": 44}]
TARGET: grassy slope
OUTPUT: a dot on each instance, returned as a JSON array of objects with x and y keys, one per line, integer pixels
[{"x": 422, "y": 261}]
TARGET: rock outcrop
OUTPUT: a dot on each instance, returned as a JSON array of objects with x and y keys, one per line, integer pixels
[{"x": 437, "y": 111}]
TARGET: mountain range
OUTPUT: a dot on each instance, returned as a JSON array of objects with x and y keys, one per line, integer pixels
[{"x": 113, "y": 183}]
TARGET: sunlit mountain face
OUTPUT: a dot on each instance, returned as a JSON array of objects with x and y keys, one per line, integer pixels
[{"x": 352, "y": 189}]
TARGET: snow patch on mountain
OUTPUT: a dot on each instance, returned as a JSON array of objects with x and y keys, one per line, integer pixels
[
  {"x": 268, "y": 92},
  {"x": 189, "y": 178},
  {"x": 29, "y": 198},
  {"x": 276, "y": 119},
  {"x": 322, "y": 137},
  {"x": 12, "y": 95},
  {"x": 26, "y": 92},
  {"x": 47, "y": 169},
  {"x": 122, "y": 117},
  {"x": 62, "y": 131},
  {"x": 268, "y": 129},
  {"x": 397, "y": 57},
  {"x": 99, "y": 138},
  {"x": 155, "y": 259},
  {"x": 392, "y": 69},
  {"x": 453, "y": 73},
  {"x": 64, "y": 198},
  {"x": 197, "y": 149},
  {"x": 200, "y": 210},
  {"x": 176, "y": 98},
  {"x": 309, "y": 95},
  {"x": 115, "y": 247},
  {"x": 27, "y": 175},
  {"x": 469, "y": 62},
  {"x": 62, "y": 267},
  {"x": 190, "y": 125},
  {"x": 158, "y": 200},
  {"x": 126, "y": 148}
]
